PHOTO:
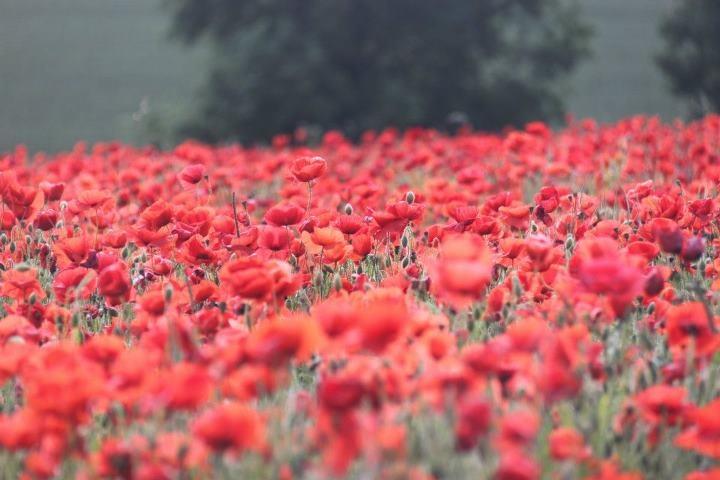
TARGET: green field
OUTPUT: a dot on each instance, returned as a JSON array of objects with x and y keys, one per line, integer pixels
[{"x": 80, "y": 69}]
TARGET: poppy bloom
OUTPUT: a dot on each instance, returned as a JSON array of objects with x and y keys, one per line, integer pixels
[
  {"x": 307, "y": 169},
  {"x": 668, "y": 235},
  {"x": 186, "y": 386},
  {"x": 688, "y": 324},
  {"x": 74, "y": 283},
  {"x": 197, "y": 253},
  {"x": 46, "y": 219},
  {"x": 662, "y": 404},
  {"x": 53, "y": 191},
  {"x": 115, "y": 238},
  {"x": 463, "y": 270},
  {"x": 473, "y": 420},
  {"x": 349, "y": 224},
  {"x": 339, "y": 393},
  {"x": 247, "y": 278},
  {"x": 274, "y": 238},
  {"x": 381, "y": 321},
  {"x": 231, "y": 426},
  {"x": 654, "y": 282},
  {"x": 327, "y": 237},
  {"x": 516, "y": 465},
  {"x": 157, "y": 215},
  {"x": 192, "y": 174},
  {"x": 61, "y": 383},
  {"x": 19, "y": 284},
  {"x": 276, "y": 342},
  {"x": 703, "y": 434},
  {"x": 601, "y": 269},
  {"x": 255, "y": 279},
  {"x": 692, "y": 249},
  {"x": 114, "y": 283},
  {"x": 362, "y": 245},
  {"x": 21, "y": 430},
  {"x": 567, "y": 443},
  {"x": 538, "y": 248},
  {"x": 284, "y": 214},
  {"x": 72, "y": 250},
  {"x": 90, "y": 199}
]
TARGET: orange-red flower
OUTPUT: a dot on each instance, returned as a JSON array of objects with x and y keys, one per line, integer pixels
[
  {"x": 602, "y": 270},
  {"x": 688, "y": 326},
  {"x": 307, "y": 169},
  {"x": 703, "y": 434},
  {"x": 284, "y": 214},
  {"x": 114, "y": 282},
  {"x": 463, "y": 270},
  {"x": 192, "y": 174},
  {"x": 231, "y": 426}
]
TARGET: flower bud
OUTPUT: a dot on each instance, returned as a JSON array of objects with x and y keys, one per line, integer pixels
[
  {"x": 693, "y": 249},
  {"x": 654, "y": 283}
]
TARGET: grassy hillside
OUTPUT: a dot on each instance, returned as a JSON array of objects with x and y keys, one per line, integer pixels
[{"x": 80, "y": 69}]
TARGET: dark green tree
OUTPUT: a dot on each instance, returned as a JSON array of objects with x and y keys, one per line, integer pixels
[
  {"x": 363, "y": 64},
  {"x": 691, "y": 58}
]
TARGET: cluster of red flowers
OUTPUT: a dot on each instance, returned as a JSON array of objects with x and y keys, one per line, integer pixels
[{"x": 413, "y": 305}]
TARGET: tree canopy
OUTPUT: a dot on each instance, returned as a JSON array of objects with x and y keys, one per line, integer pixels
[
  {"x": 691, "y": 57},
  {"x": 364, "y": 64}
]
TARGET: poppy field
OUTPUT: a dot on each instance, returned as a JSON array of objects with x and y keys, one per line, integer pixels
[{"x": 412, "y": 305}]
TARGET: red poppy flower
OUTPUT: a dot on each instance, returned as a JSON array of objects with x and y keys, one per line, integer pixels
[
  {"x": 92, "y": 198},
  {"x": 192, "y": 174},
  {"x": 703, "y": 434},
  {"x": 307, "y": 169},
  {"x": 46, "y": 219},
  {"x": 602, "y": 270},
  {"x": 339, "y": 393},
  {"x": 474, "y": 416},
  {"x": 274, "y": 238},
  {"x": 662, "y": 404},
  {"x": 231, "y": 426},
  {"x": 688, "y": 324},
  {"x": 284, "y": 214},
  {"x": 114, "y": 283},
  {"x": 20, "y": 283},
  {"x": 463, "y": 270},
  {"x": 567, "y": 443},
  {"x": 74, "y": 283},
  {"x": 157, "y": 215},
  {"x": 53, "y": 191}
]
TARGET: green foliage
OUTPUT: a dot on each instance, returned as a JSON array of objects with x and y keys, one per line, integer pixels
[
  {"x": 360, "y": 64},
  {"x": 691, "y": 58}
]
